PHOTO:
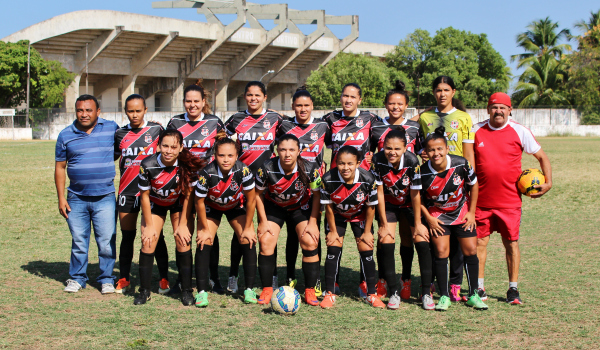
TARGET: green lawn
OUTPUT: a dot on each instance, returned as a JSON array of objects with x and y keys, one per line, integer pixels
[{"x": 558, "y": 281}]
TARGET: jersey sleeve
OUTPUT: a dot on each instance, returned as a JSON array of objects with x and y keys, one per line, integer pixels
[
  {"x": 468, "y": 136},
  {"x": 472, "y": 178},
  {"x": 143, "y": 179},
  {"x": 60, "y": 152},
  {"x": 528, "y": 141},
  {"x": 315, "y": 180},
  {"x": 373, "y": 199},
  {"x": 376, "y": 174},
  {"x": 220, "y": 125},
  {"x": 247, "y": 179},
  {"x": 230, "y": 126},
  {"x": 261, "y": 178},
  {"x": 201, "y": 186},
  {"x": 325, "y": 195},
  {"x": 415, "y": 183},
  {"x": 170, "y": 125},
  {"x": 117, "y": 151},
  {"x": 419, "y": 142}
]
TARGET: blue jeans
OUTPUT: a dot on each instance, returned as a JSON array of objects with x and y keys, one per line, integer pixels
[{"x": 100, "y": 211}]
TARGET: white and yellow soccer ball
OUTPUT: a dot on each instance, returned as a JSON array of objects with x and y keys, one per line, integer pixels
[
  {"x": 528, "y": 179},
  {"x": 285, "y": 300}
]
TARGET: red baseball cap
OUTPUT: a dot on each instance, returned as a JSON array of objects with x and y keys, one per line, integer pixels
[{"x": 499, "y": 97}]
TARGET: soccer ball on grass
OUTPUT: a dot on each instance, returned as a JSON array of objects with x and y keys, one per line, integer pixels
[{"x": 285, "y": 300}]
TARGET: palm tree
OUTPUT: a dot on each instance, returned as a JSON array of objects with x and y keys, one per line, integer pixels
[
  {"x": 541, "y": 38},
  {"x": 540, "y": 83},
  {"x": 593, "y": 22}
]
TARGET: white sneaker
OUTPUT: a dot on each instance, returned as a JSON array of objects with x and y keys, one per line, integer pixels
[
  {"x": 428, "y": 303},
  {"x": 275, "y": 283},
  {"x": 72, "y": 286},
  {"x": 232, "y": 286},
  {"x": 394, "y": 302},
  {"x": 108, "y": 288}
]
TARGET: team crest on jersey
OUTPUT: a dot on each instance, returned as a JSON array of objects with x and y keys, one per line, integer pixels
[
  {"x": 429, "y": 124},
  {"x": 454, "y": 124},
  {"x": 201, "y": 180},
  {"x": 204, "y": 132},
  {"x": 299, "y": 186},
  {"x": 360, "y": 196},
  {"x": 304, "y": 207},
  {"x": 127, "y": 162},
  {"x": 259, "y": 172},
  {"x": 148, "y": 138},
  {"x": 142, "y": 170},
  {"x": 359, "y": 123},
  {"x": 456, "y": 180},
  {"x": 336, "y": 146},
  {"x": 245, "y": 172},
  {"x": 405, "y": 181},
  {"x": 267, "y": 124},
  {"x": 314, "y": 136},
  {"x": 234, "y": 186},
  {"x": 245, "y": 147}
]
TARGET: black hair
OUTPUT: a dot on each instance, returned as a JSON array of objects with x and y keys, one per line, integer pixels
[
  {"x": 396, "y": 134},
  {"x": 222, "y": 139},
  {"x": 301, "y": 92},
  {"x": 354, "y": 85},
  {"x": 438, "y": 134},
  {"x": 86, "y": 97},
  {"x": 260, "y": 85},
  {"x": 399, "y": 88},
  {"x": 203, "y": 93},
  {"x": 444, "y": 79},
  {"x": 302, "y": 163},
  {"x": 134, "y": 97},
  {"x": 188, "y": 163},
  {"x": 348, "y": 149}
]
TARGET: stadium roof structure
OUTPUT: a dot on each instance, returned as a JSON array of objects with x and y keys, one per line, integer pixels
[{"x": 127, "y": 53}]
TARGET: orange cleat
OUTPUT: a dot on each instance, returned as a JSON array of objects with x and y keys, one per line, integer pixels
[
  {"x": 362, "y": 290},
  {"x": 405, "y": 292},
  {"x": 381, "y": 288},
  {"x": 123, "y": 286},
  {"x": 328, "y": 300},
  {"x": 310, "y": 298},
  {"x": 163, "y": 286},
  {"x": 265, "y": 296},
  {"x": 374, "y": 301}
]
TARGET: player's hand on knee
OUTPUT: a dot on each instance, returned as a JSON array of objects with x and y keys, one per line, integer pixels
[
  {"x": 148, "y": 236},
  {"x": 182, "y": 235},
  {"x": 332, "y": 238},
  {"x": 469, "y": 222},
  {"x": 435, "y": 227},
  {"x": 421, "y": 231},
  {"x": 384, "y": 231},
  {"x": 264, "y": 228},
  {"x": 313, "y": 231},
  {"x": 368, "y": 239},
  {"x": 249, "y": 236},
  {"x": 203, "y": 237}
]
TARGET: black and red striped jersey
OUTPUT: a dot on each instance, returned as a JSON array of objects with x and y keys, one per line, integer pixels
[
  {"x": 133, "y": 146},
  {"x": 349, "y": 200},
  {"x": 224, "y": 192},
  {"x": 352, "y": 131},
  {"x": 312, "y": 136},
  {"x": 445, "y": 194},
  {"x": 414, "y": 135},
  {"x": 198, "y": 136},
  {"x": 397, "y": 182},
  {"x": 256, "y": 136},
  {"x": 287, "y": 191},
  {"x": 160, "y": 180}
]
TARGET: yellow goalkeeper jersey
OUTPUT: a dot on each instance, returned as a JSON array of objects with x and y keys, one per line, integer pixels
[{"x": 458, "y": 125}]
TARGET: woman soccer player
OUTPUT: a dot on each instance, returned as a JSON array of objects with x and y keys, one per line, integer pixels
[
  {"x": 199, "y": 129},
  {"x": 349, "y": 194},
  {"x": 284, "y": 187},
  {"x": 449, "y": 191},
  {"x": 225, "y": 186},
  {"x": 256, "y": 130},
  {"x": 398, "y": 178},
  {"x": 165, "y": 179},
  {"x": 451, "y": 114},
  {"x": 133, "y": 143}
]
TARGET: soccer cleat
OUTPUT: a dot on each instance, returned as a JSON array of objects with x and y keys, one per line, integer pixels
[
  {"x": 107, "y": 288},
  {"x": 310, "y": 298},
  {"x": 336, "y": 289},
  {"x": 187, "y": 298},
  {"x": 394, "y": 302},
  {"x": 512, "y": 296},
  {"x": 275, "y": 283},
  {"x": 374, "y": 301},
  {"x": 163, "y": 286},
  {"x": 250, "y": 297},
  {"x": 216, "y": 287},
  {"x": 318, "y": 290},
  {"x": 362, "y": 289},
  {"x": 455, "y": 292},
  {"x": 201, "y": 299},
  {"x": 382, "y": 288},
  {"x": 292, "y": 282},
  {"x": 428, "y": 303},
  {"x": 232, "y": 284},
  {"x": 328, "y": 300},
  {"x": 176, "y": 289},
  {"x": 72, "y": 286},
  {"x": 265, "y": 296},
  {"x": 443, "y": 304},
  {"x": 123, "y": 286},
  {"x": 482, "y": 294},
  {"x": 143, "y": 297},
  {"x": 476, "y": 303},
  {"x": 405, "y": 291}
]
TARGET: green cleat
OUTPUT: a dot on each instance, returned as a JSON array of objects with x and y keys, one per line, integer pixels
[
  {"x": 475, "y": 302},
  {"x": 443, "y": 304},
  {"x": 250, "y": 297},
  {"x": 318, "y": 289},
  {"x": 292, "y": 282},
  {"x": 201, "y": 299}
]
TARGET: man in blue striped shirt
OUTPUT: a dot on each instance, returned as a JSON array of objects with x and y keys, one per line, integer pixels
[{"x": 85, "y": 152}]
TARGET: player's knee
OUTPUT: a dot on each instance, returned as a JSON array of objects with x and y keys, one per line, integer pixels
[{"x": 307, "y": 243}]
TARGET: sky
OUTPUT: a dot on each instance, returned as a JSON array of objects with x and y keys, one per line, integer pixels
[{"x": 385, "y": 22}]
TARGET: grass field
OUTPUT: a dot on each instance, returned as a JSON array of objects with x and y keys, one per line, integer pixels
[{"x": 558, "y": 282}]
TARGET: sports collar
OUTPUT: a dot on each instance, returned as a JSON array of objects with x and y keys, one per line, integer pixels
[
  {"x": 221, "y": 174},
  {"x": 162, "y": 165},
  {"x": 400, "y": 166},
  {"x": 386, "y": 122},
  {"x": 346, "y": 116},
  {"x": 451, "y": 111},
  {"x": 447, "y": 165},
  {"x": 188, "y": 119},
  {"x": 141, "y": 126},
  {"x": 264, "y": 110},
  {"x": 309, "y": 122},
  {"x": 281, "y": 169},
  {"x": 500, "y": 128}
]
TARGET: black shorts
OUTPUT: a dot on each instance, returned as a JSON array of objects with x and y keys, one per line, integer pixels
[
  {"x": 230, "y": 214},
  {"x": 397, "y": 214},
  {"x": 358, "y": 227},
  {"x": 282, "y": 216},
  {"x": 458, "y": 231},
  {"x": 128, "y": 204},
  {"x": 161, "y": 210}
]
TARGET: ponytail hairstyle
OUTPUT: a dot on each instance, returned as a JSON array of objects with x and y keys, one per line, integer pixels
[
  {"x": 134, "y": 97},
  {"x": 302, "y": 92},
  {"x": 350, "y": 150},
  {"x": 438, "y": 134},
  {"x": 222, "y": 139},
  {"x": 260, "y": 85},
  {"x": 203, "y": 93},
  {"x": 396, "y": 134},
  {"x": 354, "y": 85},
  {"x": 443, "y": 79},
  {"x": 301, "y": 162},
  {"x": 188, "y": 163},
  {"x": 399, "y": 88}
]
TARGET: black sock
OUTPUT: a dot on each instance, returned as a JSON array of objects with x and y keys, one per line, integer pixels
[
  {"x": 311, "y": 273},
  {"x": 203, "y": 257},
  {"x": 126, "y": 253},
  {"x": 291, "y": 253},
  {"x": 275, "y": 273},
  {"x": 266, "y": 265},
  {"x": 319, "y": 249},
  {"x": 339, "y": 262},
  {"x": 361, "y": 273},
  {"x": 456, "y": 261},
  {"x": 424, "y": 255},
  {"x": 214, "y": 260},
  {"x": 184, "y": 262},
  {"x": 368, "y": 266},
  {"x": 249, "y": 264},
  {"x": 432, "y": 252},
  {"x": 441, "y": 270},
  {"x": 389, "y": 266},
  {"x": 406, "y": 255},
  {"x": 332, "y": 263},
  {"x": 236, "y": 257},
  {"x": 380, "y": 263},
  {"x": 472, "y": 268},
  {"x": 161, "y": 254},
  {"x": 146, "y": 262}
]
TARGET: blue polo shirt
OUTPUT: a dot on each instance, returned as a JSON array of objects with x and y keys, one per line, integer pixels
[{"x": 90, "y": 159}]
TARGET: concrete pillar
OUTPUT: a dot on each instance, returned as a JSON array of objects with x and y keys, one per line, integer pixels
[
  {"x": 221, "y": 100},
  {"x": 71, "y": 94},
  {"x": 287, "y": 101},
  {"x": 177, "y": 98},
  {"x": 128, "y": 88}
]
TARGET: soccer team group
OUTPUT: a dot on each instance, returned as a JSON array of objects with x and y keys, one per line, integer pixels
[{"x": 441, "y": 182}]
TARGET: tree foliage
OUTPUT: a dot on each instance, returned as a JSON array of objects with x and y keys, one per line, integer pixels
[
  {"x": 48, "y": 79},
  {"x": 594, "y": 21},
  {"x": 542, "y": 37},
  {"x": 541, "y": 84}
]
